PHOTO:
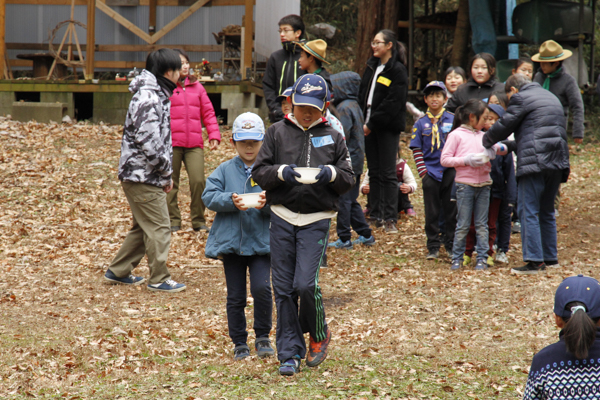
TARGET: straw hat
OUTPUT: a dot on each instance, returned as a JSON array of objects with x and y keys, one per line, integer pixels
[
  {"x": 315, "y": 48},
  {"x": 550, "y": 51}
]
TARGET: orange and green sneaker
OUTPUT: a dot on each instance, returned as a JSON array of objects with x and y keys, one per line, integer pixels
[{"x": 317, "y": 351}]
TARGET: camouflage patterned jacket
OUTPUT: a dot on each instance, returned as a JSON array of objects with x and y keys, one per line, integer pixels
[{"x": 146, "y": 150}]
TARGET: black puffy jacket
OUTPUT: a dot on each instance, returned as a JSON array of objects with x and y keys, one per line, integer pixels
[
  {"x": 388, "y": 106},
  {"x": 473, "y": 90},
  {"x": 536, "y": 117}
]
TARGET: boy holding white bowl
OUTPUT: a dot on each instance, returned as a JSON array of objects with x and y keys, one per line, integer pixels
[
  {"x": 301, "y": 217},
  {"x": 240, "y": 237}
]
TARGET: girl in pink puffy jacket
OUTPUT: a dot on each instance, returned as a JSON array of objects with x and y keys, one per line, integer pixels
[{"x": 190, "y": 110}]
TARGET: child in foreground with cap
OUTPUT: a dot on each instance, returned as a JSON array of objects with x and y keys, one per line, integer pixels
[
  {"x": 301, "y": 217},
  {"x": 240, "y": 237},
  {"x": 570, "y": 368},
  {"x": 427, "y": 142}
]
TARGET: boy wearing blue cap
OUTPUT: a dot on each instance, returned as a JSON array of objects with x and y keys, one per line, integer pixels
[
  {"x": 301, "y": 217},
  {"x": 240, "y": 237},
  {"x": 569, "y": 369},
  {"x": 427, "y": 142}
]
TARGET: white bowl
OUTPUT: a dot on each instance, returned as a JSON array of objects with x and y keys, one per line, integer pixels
[
  {"x": 483, "y": 157},
  {"x": 250, "y": 200},
  {"x": 307, "y": 175}
]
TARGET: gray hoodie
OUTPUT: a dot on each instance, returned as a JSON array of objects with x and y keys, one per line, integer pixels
[{"x": 146, "y": 149}]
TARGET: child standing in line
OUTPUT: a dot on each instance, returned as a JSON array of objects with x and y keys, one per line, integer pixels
[
  {"x": 301, "y": 217},
  {"x": 406, "y": 185},
  {"x": 428, "y": 140},
  {"x": 568, "y": 369},
  {"x": 503, "y": 189},
  {"x": 464, "y": 152},
  {"x": 312, "y": 57},
  {"x": 286, "y": 106},
  {"x": 524, "y": 67},
  {"x": 240, "y": 237}
]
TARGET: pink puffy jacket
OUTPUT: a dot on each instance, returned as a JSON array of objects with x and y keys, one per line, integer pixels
[{"x": 190, "y": 109}]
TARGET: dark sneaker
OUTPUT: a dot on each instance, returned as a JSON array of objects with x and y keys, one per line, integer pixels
[
  {"x": 167, "y": 286},
  {"x": 531, "y": 268},
  {"x": 263, "y": 348},
  {"x": 240, "y": 352},
  {"x": 390, "y": 227},
  {"x": 455, "y": 265},
  {"x": 317, "y": 351},
  {"x": 552, "y": 264},
  {"x": 433, "y": 254},
  {"x": 202, "y": 228},
  {"x": 339, "y": 244},
  {"x": 376, "y": 223},
  {"x": 370, "y": 241},
  {"x": 175, "y": 228},
  {"x": 290, "y": 367},
  {"x": 481, "y": 265},
  {"x": 128, "y": 280}
]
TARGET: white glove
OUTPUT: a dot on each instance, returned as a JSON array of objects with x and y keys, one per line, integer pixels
[{"x": 473, "y": 160}]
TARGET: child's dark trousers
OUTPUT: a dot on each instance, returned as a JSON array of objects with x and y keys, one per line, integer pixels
[
  {"x": 260, "y": 286},
  {"x": 297, "y": 254},
  {"x": 350, "y": 215}
]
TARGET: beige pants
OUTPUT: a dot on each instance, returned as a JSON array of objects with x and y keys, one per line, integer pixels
[
  {"x": 193, "y": 158},
  {"x": 150, "y": 234}
]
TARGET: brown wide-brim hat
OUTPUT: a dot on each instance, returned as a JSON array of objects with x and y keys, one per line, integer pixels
[
  {"x": 550, "y": 51},
  {"x": 316, "y": 48}
]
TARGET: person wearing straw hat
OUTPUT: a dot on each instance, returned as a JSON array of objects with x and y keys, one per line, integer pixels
[
  {"x": 312, "y": 57},
  {"x": 569, "y": 368},
  {"x": 553, "y": 77}
]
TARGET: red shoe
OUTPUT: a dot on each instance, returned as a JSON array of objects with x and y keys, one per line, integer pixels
[
  {"x": 411, "y": 213},
  {"x": 317, "y": 352}
]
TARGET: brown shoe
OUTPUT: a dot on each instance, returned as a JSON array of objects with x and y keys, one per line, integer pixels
[
  {"x": 390, "y": 227},
  {"x": 317, "y": 351}
]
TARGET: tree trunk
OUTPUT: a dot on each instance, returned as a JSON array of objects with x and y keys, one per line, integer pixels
[
  {"x": 373, "y": 16},
  {"x": 461, "y": 35}
]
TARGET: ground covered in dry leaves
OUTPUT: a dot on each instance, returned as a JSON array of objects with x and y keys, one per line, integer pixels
[{"x": 403, "y": 327}]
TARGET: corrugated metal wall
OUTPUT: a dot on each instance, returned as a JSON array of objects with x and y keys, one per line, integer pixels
[
  {"x": 267, "y": 15},
  {"x": 33, "y": 24}
]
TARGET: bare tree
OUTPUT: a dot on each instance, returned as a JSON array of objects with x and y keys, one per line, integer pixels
[{"x": 461, "y": 35}]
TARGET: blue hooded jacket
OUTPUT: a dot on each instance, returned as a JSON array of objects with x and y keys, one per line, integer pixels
[
  {"x": 345, "y": 92},
  {"x": 245, "y": 233}
]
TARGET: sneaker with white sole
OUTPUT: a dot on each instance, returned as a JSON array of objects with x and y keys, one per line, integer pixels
[
  {"x": 531, "y": 268},
  {"x": 263, "y": 347},
  {"x": 128, "y": 280},
  {"x": 552, "y": 264},
  {"x": 290, "y": 367},
  {"x": 501, "y": 257},
  {"x": 167, "y": 286},
  {"x": 481, "y": 265}
]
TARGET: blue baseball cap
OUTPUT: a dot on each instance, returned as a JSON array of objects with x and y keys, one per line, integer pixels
[
  {"x": 435, "y": 84},
  {"x": 579, "y": 288},
  {"x": 497, "y": 108},
  {"x": 284, "y": 95},
  {"x": 310, "y": 90},
  {"x": 248, "y": 126}
]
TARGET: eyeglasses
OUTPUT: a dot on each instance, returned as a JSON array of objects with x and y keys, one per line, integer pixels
[
  {"x": 374, "y": 43},
  {"x": 285, "y": 30}
]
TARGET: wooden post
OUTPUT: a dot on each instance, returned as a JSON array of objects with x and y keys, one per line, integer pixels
[
  {"x": 461, "y": 35},
  {"x": 152, "y": 17},
  {"x": 248, "y": 38},
  {"x": 91, "y": 39},
  {"x": 3, "y": 66}
]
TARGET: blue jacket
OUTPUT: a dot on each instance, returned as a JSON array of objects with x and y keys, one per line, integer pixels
[
  {"x": 245, "y": 233},
  {"x": 345, "y": 90},
  {"x": 422, "y": 138},
  {"x": 503, "y": 175}
]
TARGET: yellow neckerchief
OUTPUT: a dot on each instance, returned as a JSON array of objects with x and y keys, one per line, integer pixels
[{"x": 435, "y": 133}]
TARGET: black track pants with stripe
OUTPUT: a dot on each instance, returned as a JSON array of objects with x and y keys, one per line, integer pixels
[{"x": 297, "y": 253}]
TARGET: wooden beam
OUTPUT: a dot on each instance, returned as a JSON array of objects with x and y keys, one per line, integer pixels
[
  {"x": 424, "y": 25},
  {"x": 248, "y": 37},
  {"x": 90, "y": 39},
  {"x": 179, "y": 19},
  {"x": 3, "y": 66},
  {"x": 152, "y": 17},
  {"x": 213, "y": 3},
  {"x": 122, "y": 47},
  {"x": 120, "y": 64},
  {"x": 123, "y": 21}
]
